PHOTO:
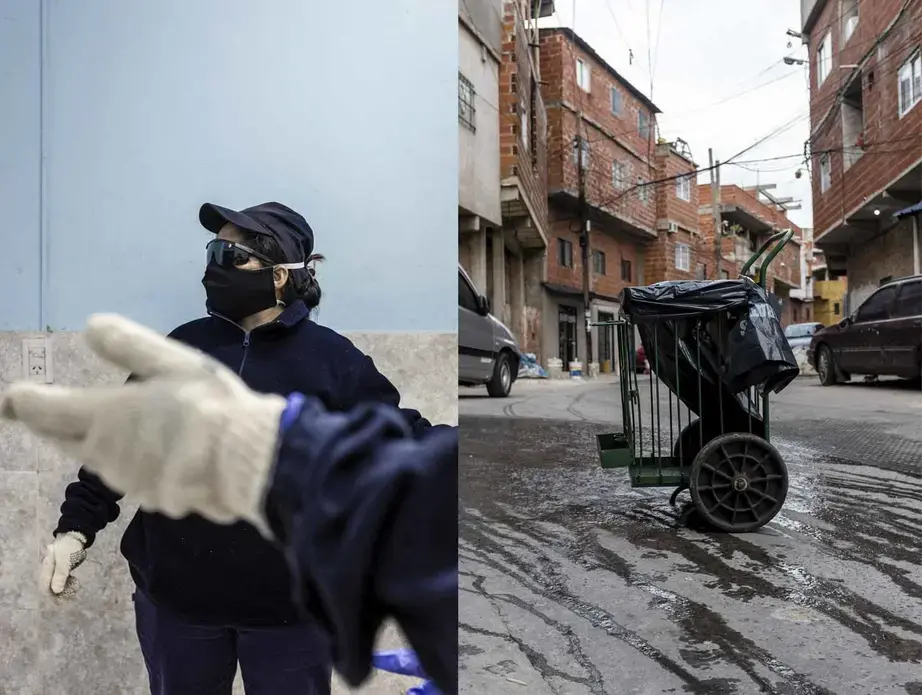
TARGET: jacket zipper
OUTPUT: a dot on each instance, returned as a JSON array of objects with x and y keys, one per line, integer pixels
[{"x": 246, "y": 346}]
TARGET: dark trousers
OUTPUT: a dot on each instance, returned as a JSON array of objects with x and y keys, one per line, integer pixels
[{"x": 184, "y": 659}]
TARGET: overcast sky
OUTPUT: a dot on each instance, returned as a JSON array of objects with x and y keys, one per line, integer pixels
[{"x": 703, "y": 52}]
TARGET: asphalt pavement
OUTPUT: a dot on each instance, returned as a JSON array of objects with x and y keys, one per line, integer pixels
[{"x": 573, "y": 582}]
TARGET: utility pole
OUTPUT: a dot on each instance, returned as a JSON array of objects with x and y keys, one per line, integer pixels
[
  {"x": 715, "y": 211},
  {"x": 584, "y": 245}
]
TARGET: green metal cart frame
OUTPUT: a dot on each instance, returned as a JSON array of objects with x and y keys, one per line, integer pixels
[{"x": 737, "y": 479}]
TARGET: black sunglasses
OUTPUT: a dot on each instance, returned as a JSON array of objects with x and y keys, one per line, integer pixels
[{"x": 230, "y": 253}]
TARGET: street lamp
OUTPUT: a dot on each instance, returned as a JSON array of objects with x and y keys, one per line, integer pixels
[{"x": 788, "y": 60}]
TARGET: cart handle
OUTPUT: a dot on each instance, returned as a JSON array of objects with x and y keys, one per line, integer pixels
[{"x": 782, "y": 237}]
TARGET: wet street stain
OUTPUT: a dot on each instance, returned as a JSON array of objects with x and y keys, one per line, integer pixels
[{"x": 749, "y": 613}]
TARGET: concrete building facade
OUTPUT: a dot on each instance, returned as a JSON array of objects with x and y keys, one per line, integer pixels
[
  {"x": 802, "y": 297},
  {"x": 866, "y": 136},
  {"x": 503, "y": 250},
  {"x": 480, "y": 46},
  {"x": 120, "y": 120}
]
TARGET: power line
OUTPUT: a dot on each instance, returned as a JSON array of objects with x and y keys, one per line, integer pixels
[
  {"x": 659, "y": 33},
  {"x": 700, "y": 170}
]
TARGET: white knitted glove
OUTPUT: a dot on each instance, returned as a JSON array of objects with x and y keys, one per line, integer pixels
[
  {"x": 62, "y": 557},
  {"x": 189, "y": 436}
]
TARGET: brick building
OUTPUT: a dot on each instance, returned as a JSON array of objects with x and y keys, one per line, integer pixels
[
  {"x": 748, "y": 220},
  {"x": 866, "y": 136},
  {"x": 677, "y": 253},
  {"x": 601, "y": 137}
]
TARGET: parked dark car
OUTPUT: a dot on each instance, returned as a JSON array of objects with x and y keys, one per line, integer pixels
[
  {"x": 640, "y": 361},
  {"x": 882, "y": 338}
]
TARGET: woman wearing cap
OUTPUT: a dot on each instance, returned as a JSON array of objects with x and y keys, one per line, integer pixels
[{"x": 209, "y": 596}]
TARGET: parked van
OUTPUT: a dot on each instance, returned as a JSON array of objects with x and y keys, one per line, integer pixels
[{"x": 487, "y": 351}]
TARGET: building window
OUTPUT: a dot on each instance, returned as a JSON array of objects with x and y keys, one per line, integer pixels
[
  {"x": 583, "y": 75},
  {"x": 466, "y": 102},
  {"x": 565, "y": 253},
  {"x": 701, "y": 272},
  {"x": 643, "y": 124},
  {"x": 724, "y": 274},
  {"x": 620, "y": 175},
  {"x": 617, "y": 102},
  {"x": 825, "y": 173},
  {"x": 598, "y": 262},
  {"x": 683, "y": 188},
  {"x": 524, "y": 119},
  {"x": 909, "y": 302},
  {"x": 910, "y": 79},
  {"x": 824, "y": 59},
  {"x": 849, "y": 18},
  {"x": 584, "y": 154},
  {"x": 835, "y": 309},
  {"x": 682, "y": 257},
  {"x": 626, "y": 270},
  {"x": 643, "y": 191}
]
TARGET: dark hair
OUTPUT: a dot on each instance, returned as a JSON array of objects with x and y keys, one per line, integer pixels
[{"x": 302, "y": 284}]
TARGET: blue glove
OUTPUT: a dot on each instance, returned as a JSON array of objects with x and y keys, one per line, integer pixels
[{"x": 403, "y": 662}]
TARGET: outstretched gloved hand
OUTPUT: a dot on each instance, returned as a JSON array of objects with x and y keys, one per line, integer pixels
[
  {"x": 187, "y": 436},
  {"x": 63, "y": 556}
]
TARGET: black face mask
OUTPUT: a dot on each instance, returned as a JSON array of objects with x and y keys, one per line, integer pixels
[{"x": 235, "y": 293}]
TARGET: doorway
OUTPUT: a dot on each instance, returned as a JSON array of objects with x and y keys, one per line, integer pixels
[
  {"x": 566, "y": 326},
  {"x": 606, "y": 343}
]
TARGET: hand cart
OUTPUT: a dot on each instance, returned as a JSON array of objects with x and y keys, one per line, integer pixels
[{"x": 701, "y": 419}]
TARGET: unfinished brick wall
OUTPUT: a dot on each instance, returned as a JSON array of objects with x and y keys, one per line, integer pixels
[
  {"x": 894, "y": 144},
  {"x": 748, "y": 200},
  {"x": 563, "y": 226},
  {"x": 560, "y": 49},
  {"x": 660, "y": 254},
  {"x": 522, "y": 154},
  {"x": 615, "y": 247},
  {"x": 610, "y": 138}
]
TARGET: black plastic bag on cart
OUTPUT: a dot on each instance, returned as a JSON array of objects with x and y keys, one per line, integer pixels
[{"x": 713, "y": 340}]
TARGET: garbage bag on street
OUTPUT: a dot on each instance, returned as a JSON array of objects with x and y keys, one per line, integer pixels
[
  {"x": 529, "y": 367},
  {"x": 404, "y": 662},
  {"x": 710, "y": 342}
]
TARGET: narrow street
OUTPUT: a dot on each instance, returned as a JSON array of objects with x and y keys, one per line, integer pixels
[{"x": 572, "y": 582}]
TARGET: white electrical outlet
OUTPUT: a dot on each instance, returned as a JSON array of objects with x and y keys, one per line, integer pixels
[{"x": 36, "y": 360}]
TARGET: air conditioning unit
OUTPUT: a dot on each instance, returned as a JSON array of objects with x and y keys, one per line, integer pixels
[{"x": 672, "y": 227}]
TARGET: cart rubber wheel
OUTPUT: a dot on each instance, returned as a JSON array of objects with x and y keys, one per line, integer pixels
[
  {"x": 738, "y": 482},
  {"x": 689, "y": 442}
]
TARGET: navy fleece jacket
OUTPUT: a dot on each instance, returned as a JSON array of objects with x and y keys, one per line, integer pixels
[
  {"x": 368, "y": 515},
  {"x": 231, "y": 575}
]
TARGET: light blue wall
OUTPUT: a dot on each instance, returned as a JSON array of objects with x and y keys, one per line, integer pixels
[
  {"x": 20, "y": 174},
  {"x": 344, "y": 111}
]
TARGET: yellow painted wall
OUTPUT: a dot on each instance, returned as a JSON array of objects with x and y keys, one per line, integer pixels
[{"x": 826, "y": 295}]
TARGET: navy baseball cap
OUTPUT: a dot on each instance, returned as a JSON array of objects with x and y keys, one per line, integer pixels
[{"x": 289, "y": 229}]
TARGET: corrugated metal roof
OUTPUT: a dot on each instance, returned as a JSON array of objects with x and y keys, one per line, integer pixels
[{"x": 908, "y": 212}]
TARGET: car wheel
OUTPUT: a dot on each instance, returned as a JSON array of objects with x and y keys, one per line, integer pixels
[
  {"x": 500, "y": 384},
  {"x": 826, "y": 367}
]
